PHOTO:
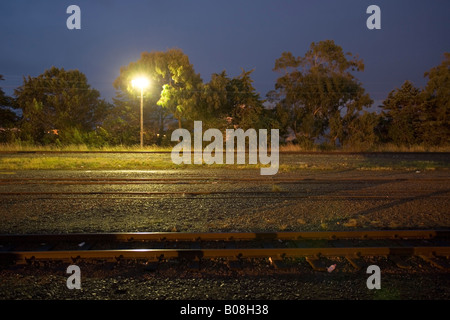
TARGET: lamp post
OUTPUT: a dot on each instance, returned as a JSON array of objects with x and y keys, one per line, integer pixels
[{"x": 141, "y": 83}]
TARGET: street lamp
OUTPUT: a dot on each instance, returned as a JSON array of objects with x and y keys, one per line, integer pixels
[{"x": 141, "y": 83}]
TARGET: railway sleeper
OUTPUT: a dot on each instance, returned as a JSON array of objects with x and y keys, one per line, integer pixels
[
  {"x": 434, "y": 262},
  {"x": 278, "y": 263},
  {"x": 399, "y": 262},
  {"x": 314, "y": 263},
  {"x": 355, "y": 262}
]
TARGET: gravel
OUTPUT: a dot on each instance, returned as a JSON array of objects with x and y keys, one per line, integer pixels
[{"x": 257, "y": 280}]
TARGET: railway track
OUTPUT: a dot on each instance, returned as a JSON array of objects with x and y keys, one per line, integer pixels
[
  {"x": 278, "y": 247},
  {"x": 230, "y": 246},
  {"x": 269, "y": 195},
  {"x": 412, "y": 187},
  {"x": 214, "y": 179}
]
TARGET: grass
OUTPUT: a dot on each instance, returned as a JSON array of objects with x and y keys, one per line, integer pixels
[
  {"x": 11, "y": 147},
  {"x": 100, "y": 162},
  {"x": 402, "y": 165},
  {"x": 74, "y": 163},
  {"x": 416, "y": 148},
  {"x": 78, "y": 162},
  {"x": 288, "y": 162},
  {"x": 388, "y": 147}
]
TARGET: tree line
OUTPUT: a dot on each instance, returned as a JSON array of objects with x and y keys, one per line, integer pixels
[{"x": 316, "y": 100}]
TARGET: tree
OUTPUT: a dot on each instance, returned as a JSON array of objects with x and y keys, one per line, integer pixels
[
  {"x": 174, "y": 84},
  {"x": 317, "y": 95},
  {"x": 403, "y": 111},
  {"x": 59, "y": 102},
  {"x": 122, "y": 123},
  {"x": 8, "y": 118},
  {"x": 435, "y": 117},
  {"x": 231, "y": 103},
  {"x": 413, "y": 116},
  {"x": 360, "y": 131},
  {"x": 246, "y": 104},
  {"x": 214, "y": 107}
]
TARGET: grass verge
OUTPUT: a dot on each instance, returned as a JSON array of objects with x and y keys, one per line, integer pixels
[
  {"x": 12, "y": 147},
  {"x": 14, "y": 162}
]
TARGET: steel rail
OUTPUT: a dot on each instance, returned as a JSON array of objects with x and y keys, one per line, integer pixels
[
  {"x": 229, "y": 236},
  {"x": 196, "y": 254}
]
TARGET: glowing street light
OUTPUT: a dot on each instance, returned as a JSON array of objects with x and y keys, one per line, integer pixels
[{"x": 141, "y": 83}]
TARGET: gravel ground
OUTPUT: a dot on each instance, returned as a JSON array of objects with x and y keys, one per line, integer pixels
[
  {"x": 257, "y": 280},
  {"x": 384, "y": 200},
  {"x": 425, "y": 207}
]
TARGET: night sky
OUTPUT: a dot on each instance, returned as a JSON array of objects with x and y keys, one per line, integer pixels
[{"x": 221, "y": 35}]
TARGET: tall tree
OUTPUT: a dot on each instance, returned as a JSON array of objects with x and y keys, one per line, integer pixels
[
  {"x": 245, "y": 104},
  {"x": 8, "y": 118},
  {"x": 402, "y": 109},
  {"x": 435, "y": 117},
  {"x": 231, "y": 102},
  {"x": 174, "y": 85},
  {"x": 360, "y": 131},
  {"x": 214, "y": 107},
  {"x": 58, "y": 100},
  {"x": 317, "y": 94}
]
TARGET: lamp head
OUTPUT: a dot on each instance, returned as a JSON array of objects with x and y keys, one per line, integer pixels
[{"x": 140, "y": 83}]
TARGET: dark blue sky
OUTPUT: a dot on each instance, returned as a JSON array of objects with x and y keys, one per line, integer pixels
[{"x": 221, "y": 35}]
